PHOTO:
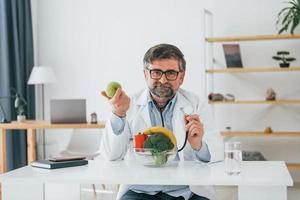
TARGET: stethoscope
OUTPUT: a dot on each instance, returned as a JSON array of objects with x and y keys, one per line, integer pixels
[
  {"x": 185, "y": 139},
  {"x": 187, "y": 111}
]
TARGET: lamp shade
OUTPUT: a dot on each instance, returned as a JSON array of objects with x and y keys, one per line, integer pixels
[{"x": 41, "y": 75}]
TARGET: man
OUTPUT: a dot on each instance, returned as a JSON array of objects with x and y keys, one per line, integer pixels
[{"x": 163, "y": 103}]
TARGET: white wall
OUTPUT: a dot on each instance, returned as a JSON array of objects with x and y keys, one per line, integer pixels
[{"x": 90, "y": 42}]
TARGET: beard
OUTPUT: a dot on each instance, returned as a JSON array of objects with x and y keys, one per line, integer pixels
[{"x": 162, "y": 90}]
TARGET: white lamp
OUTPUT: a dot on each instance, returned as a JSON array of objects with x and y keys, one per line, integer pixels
[{"x": 39, "y": 76}]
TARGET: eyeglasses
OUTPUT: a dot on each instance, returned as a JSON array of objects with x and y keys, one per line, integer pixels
[{"x": 156, "y": 74}]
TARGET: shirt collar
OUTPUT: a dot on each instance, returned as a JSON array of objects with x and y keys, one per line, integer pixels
[{"x": 169, "y": 104}]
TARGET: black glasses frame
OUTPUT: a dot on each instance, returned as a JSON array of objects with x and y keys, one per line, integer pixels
[{"x": 166, "y": 73}]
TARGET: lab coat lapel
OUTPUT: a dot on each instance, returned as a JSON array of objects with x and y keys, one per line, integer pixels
[
  {"x": 144, "y": 114},
  {"x": 143, "y": 110}
]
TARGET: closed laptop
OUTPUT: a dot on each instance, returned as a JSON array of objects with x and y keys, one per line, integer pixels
[{"x": 68, "y": 111}]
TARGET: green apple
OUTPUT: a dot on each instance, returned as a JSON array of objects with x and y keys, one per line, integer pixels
[{"x": 112, "y": 88}]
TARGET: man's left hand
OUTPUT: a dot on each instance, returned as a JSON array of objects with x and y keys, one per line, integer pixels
[{"x": 195, "y": 131}]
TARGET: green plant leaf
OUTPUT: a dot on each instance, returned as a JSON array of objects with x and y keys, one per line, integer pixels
[
  {"x": 284, "y": 9},
  {"x": 283, "y": 53},
  {"x": 287, "y": 22},
  {"x": 294, "y": 3},
  {"x": 283, "y": 29},
  {"x": 289, "y": 17},
  {"x": 295, "y": 24},
  {"x": 290, "y": 59},
  {"x": 276, "y": 58}
]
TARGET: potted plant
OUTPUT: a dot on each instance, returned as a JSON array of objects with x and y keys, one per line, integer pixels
[
  {"x": 19, "y": 104},
  {"x": 281, "y": 55},
  {"x": 289, "y": 17}
]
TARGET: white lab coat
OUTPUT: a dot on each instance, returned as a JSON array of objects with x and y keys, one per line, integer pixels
[{"x": 114, "y": 147}]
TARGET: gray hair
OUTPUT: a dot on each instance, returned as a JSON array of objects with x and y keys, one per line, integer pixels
[{"x": 164, "y": 51}]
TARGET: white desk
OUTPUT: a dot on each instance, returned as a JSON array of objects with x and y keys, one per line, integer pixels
[{"x": 258, "y": 180}]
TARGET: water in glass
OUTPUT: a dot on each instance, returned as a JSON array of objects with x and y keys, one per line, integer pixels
[{"x": 233, "y": 158}]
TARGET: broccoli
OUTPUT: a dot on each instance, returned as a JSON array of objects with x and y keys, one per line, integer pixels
[{"x": 160, "y": 144}]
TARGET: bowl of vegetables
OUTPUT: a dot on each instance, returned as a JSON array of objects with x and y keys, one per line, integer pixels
[
  {"x": 152, "y": 157},
  {"x": 155, "y": 147}
]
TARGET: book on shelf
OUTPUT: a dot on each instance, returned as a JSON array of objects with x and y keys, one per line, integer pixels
[
  {"x": 47, "y": 164},
  {"x": 232, "y": 55}
]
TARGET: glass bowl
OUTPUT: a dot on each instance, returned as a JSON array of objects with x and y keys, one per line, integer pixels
[{"x": 149, "y": 157}]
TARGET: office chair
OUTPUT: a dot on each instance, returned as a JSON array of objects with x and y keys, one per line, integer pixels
[{"x": 84, "y": 142}]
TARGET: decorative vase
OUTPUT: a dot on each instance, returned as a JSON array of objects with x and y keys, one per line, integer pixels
[
  {"x": 284, "y": 65},
  {"x": 21, "y": 118}
]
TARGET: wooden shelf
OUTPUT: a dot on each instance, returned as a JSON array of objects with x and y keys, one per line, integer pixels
[
  {"x": 293, "y": 166},
  {"x": 259, "y": 134},
  {"x": 253, "y": 70},
  {"x": 252, "y": 38},
  {"x": 35, "y": 124},
  {"x": 277, "y": 102}
]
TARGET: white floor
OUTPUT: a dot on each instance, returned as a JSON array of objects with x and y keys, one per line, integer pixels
[
  {"x": 230, "y": 193},
  {"x": 110, "y": 192},
  {"x": 294, "y": 192}
]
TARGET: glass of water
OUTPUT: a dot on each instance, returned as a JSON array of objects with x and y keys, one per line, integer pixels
[{"x": 233, "y": 158}]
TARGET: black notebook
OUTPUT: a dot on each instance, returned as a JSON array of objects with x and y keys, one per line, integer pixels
[{"x": 47, "y": 164}]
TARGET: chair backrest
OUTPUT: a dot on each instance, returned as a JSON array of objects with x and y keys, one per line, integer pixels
[{"x": 84, "y": 141}]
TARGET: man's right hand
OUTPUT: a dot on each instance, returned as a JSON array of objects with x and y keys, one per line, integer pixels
[{"x": 119, "y": 102}]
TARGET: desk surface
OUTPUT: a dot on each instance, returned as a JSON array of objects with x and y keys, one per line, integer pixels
[
  {"x": 35, "y": 124},
  {"x": 256, "y": 173}
]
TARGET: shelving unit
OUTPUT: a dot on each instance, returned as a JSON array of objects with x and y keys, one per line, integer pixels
[
  {"x": 253, "y": 70},
  {"x": 277, "y": 102},
  {"x": 251, "y": 38},
  {"x": 293, "y": 166},
  {"x": 211, "y": 71},
  {"x": 260, "y": 134}
]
